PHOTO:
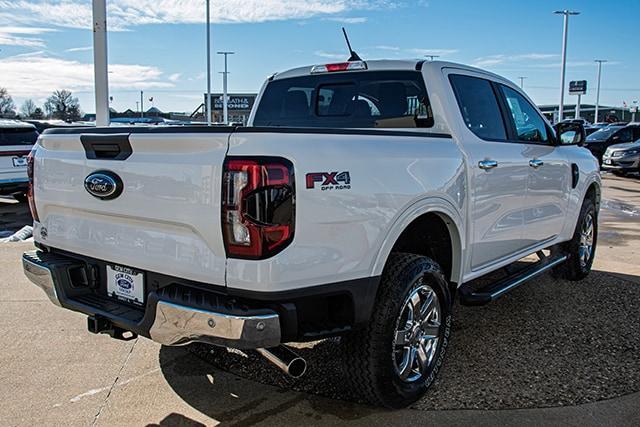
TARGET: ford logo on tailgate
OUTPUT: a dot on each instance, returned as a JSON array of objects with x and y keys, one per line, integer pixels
[{"x": 104, "y": 185}]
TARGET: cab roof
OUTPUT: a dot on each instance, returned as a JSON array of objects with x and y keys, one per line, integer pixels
[
  {"x": 386, "y": 65},
  {"x": 15, "y": 124}
]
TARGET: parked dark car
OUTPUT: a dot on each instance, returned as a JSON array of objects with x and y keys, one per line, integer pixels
[{"x": 599, "y": 141}]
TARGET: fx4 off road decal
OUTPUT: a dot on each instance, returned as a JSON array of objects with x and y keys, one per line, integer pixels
[{"x": 329, "y": 180}]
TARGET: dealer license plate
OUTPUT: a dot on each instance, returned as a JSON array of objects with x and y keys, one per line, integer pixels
[
  {"x": 125, "y": 284},
  {"x": 19, "y": 162}
]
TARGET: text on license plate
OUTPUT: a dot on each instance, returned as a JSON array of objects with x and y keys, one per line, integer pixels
[{"x": 125, "y": 284}]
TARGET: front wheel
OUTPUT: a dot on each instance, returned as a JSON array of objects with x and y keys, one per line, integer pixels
[
  {"x": 394, "y": 360},
  {"x": 581, "y": 249}
]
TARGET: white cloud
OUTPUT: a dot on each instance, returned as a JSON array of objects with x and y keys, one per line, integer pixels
[
  {"x": 331, "y": 55},
  {"x": 79, "y": 49},
  {"x": 22, "y": 36},
  {"x": 385, "y": 47},
  {"x": 487, "y": 61},
  {"x": 123, "y": 14},
  {"x": 435, "y": 52},
  {"x": 175, "y": 77},
  {"x": 38, "y": 75},
  {"x": 344, "y": 20}
]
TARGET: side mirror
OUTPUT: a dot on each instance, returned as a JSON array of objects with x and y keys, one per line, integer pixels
[{"x": 569, "y": 133}]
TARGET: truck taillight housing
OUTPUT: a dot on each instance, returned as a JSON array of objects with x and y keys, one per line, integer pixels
[
  {"x": 258, "y": 206},
  {"x": 30, "y": 191}
]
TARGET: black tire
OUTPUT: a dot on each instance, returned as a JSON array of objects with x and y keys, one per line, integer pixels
[
  {"x": 574, "y": 268},
  {"x": 370, "y": 353}
]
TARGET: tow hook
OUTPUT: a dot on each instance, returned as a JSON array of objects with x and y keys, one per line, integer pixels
[{"x": 100, "y": 325}]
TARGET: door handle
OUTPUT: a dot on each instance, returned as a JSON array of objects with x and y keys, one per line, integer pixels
[
  {"x": 487, "y": 164},
  {"x": 535, "y": 163}
]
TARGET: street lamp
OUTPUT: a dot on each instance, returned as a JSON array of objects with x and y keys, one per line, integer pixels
[
  {"x": 565, "y": 31},
  {"x": 599, "y": 61},
  {"x": 225, "y": 98},
  {"x": 522, "y": 82},
  {"x": 208, "y": 102},
  {"x": 100, "y": 62}
]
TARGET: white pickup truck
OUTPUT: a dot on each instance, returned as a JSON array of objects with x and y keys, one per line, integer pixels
[{"x": 362, "y": 198}]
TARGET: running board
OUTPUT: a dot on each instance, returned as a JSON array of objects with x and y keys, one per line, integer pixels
[{"x": 493, "y": 291}]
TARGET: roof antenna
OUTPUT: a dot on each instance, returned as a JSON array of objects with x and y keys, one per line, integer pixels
[{"x": 354, "y": 56}]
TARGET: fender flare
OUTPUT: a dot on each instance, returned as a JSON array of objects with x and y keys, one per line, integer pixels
[{"x": 436, "y": 205}]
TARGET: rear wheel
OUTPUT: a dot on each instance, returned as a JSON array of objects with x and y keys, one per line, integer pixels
[
  {"x": 394, "y": 360},
  {"x": 581, "y": 249}
]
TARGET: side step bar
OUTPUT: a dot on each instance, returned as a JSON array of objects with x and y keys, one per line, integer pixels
[{"x": 493, "y": 291}]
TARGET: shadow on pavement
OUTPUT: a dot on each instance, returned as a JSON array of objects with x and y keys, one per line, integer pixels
[
  {"x": 232, "y": 399},
  {"x": 549, "y": 343}
]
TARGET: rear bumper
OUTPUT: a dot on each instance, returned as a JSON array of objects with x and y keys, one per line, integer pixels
[
  {"x": 164, "y": 321},
  {"x": 178, "y": 311},
  {"x": 629, "y": 163}
]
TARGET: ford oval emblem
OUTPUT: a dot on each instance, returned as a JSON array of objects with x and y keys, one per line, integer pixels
[{"x": 104, "y": 185}]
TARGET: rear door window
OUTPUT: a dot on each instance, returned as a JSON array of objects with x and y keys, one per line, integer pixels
[
  {"x": 371, "y": 99},
  {"x": 17, "y": 136},
  {"x": 479, "y": 107}
]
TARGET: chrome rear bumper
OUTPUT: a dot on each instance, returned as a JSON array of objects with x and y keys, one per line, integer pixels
[
  {"x": 172, "y": 324},
  {"x": 178, "y": 325}
]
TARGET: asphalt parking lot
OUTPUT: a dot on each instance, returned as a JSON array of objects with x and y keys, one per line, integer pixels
[{"x": 550, "y": 352}]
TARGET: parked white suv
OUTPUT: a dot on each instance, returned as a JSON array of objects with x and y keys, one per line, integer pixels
[
  {"x": 362, "y": 198},
  {"x": 16, "y": 140}
]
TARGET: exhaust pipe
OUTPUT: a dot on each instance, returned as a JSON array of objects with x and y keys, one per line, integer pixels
[{"x": 285, "y": 359}]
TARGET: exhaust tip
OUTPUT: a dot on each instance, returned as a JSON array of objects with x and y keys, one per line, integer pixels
[{"x": 297, "y": 367}]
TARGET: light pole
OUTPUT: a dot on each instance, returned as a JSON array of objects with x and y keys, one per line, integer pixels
[
  {"x": 599, "y": 61},
  {"x": 141, "y": 104},
  {"x": 522, "y": 82},
  {"x": 100, "y": 62},
  {"x": 565, "y": 31},
  {"x": 225, "y": 98},
  {"x": 208, "y": 101}
]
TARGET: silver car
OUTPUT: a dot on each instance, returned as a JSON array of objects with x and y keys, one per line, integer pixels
[{"x": 622, "y": 158}]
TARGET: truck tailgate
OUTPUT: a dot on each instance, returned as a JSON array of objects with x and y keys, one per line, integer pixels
[{"x": 166, "y": 220}]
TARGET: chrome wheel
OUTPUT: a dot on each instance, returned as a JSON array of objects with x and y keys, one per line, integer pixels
[
  {"x": 585, "y": 249},
  {"x": 417, "y": 333}
]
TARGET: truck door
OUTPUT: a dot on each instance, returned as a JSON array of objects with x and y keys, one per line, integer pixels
[
  {"x": 549, "y": 171},
  {"x": 498, "y": 172}
]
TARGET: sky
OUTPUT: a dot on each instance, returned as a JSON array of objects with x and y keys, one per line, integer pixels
[{"x": 159, "y": 45}]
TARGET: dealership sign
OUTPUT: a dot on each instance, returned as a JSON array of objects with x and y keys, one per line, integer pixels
[
  {"x": 235, "y": 102},
  {"x": 578, "y": 87}
]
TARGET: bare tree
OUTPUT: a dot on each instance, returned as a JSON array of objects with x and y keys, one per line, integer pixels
[
  {"x": 7, "y": 107},
  {"x": 27, "y": 109},
  {"x": 63, "y": 105},
  {"x": 37, "y": 114}
]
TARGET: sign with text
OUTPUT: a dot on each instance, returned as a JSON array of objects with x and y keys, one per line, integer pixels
[
  {"x": 578, "y": 87},
  {"x": 235, "y": 103}
]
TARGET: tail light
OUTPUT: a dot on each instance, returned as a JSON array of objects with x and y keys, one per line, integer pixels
[
  {"x": 30, "y": 192},
  {"x": 258, "y": 206}
]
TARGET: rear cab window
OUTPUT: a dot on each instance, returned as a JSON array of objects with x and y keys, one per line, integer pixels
[
  {"x": 366, "y": 99},
  {"x": 17, "y": 136}
]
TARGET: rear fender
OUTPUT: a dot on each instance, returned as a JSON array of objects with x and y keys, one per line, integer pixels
[{"x": 451, "y": 218}]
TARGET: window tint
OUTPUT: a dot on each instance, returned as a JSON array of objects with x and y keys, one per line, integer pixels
[
  {"x": 479, "y": 106},
  {"x": 17, "y": 136},
  {"x": 624, "y": 135},
  {"x": 530, "y": 127},
  {"x": 371, "y": 99}
]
